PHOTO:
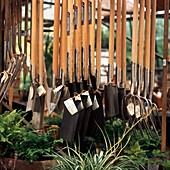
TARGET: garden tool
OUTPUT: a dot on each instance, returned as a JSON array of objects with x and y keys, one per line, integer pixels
[
  {"x": 71, "y": 113},
  {"x": 146, "y": 65},
  {"x": 97, "y": 115},
  {"x": 85, "y": 47},
  {"x": 76, "y": 52},
  {"x": 122, "y": 87},
  {"x": 111, "y": 90},
  {"x": 140, "y": 66},
  {"x": 53, "y": 92},
  {"x": 92, "y": 12},
  {"x": 38, "y": 112},
  {"x": 87, "y": 55},
  {"x": 21, "y": 56},
  {"x": 33, "y": 85},
  {"x": 7, "y": 75},
  {"x": 130, "y": 99},
  {"x": 152, "y": 62},
  {"x": 63, "y": 55}
]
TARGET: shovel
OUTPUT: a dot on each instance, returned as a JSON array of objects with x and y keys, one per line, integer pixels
[
  {"x": 152, "y": 63},
  {"x": 38, "y": 112},
  {"x": 33, "y": 87},
  {"x": 53, "y": 92},
  {"x": 97, "y": 115},
  {"x": 111, "y": 90},
  {"x": 63, "y": 55}
]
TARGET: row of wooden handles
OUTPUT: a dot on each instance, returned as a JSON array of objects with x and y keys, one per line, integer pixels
[{"x": 84, "y": 35}]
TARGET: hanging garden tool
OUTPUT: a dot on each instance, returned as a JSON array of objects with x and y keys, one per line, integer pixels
[
  {"x": 53, "y": 92},
  {"x": 152, "y": 62},
  {"x": 65, "y": 94},
  {"x": 7, "y": 75},
  {"x": 140, "y": 67},
  {"x": 32, "y": 90},
  {"x": 130, "y": 99},
  {"x": 146, "y": 66},
  {"x": 97, "y": 115},
  {"x": 122, "y": 87},
  {"x": 70, "y": 116},
  {"x": 88, "y": 46},
  {"x": 38, "y": 112},
  {"x": 111, "y": 91}
]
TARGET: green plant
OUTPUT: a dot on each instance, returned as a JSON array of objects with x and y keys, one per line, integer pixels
[
  {"x": 10, "y": 127},
  {"x": 88, "y": 161},
  {"x": 15, "y": 137},
  {"x": 53, "y": 120}
]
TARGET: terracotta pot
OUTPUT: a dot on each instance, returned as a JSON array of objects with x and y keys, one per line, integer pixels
[{"x": 22, "y": 164}]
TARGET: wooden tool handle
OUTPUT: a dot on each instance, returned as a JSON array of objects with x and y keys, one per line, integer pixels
[
  {"x": 85, "y": 38},
  {"x": 7, "y": 19},
  {"x": 98, "y": 41},
  {"x": 111, "y": 35},
  {"x": 78, "y": 39},
  {"x": 152, "y": 41},
  {"x": 141, "y": 34},
  {"x": 70, "y": 36},
  {"x": 135, "y": 31},
  {"x": 123, "y": 61},
  {"x": 63, "y": 43},
  {"x": 147, "y": 34},
  {"x": 19, "y": 11},
  {"x": 56, "y": 37},
  {"x": 92, "y": 12},
  {"x": 33, "y": 35},
  {"x": 118, "y": 35},
  {"x": 13, "y": 12},
  {"x": 41, "y": 53}
]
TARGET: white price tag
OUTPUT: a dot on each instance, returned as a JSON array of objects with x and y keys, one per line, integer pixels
[
  {"x": 164, "y": 62},
  {"x": 41, "y": 90},
  {"x": 95, "y": 103},
  {"x": 130, "y": 109},
  {"x": 137, "y": 111},
  {"x": 57, "y": 89},
  {"x": 71, "y": 107}
]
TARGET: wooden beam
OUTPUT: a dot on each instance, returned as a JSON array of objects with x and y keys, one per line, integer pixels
[{"x": 164, "y": 84}]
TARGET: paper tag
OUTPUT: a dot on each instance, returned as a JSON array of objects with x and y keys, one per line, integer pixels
[
  {"x": 41, "y": 90},
  {"x": 164, "y": 62},
  {"x": 137, "y": 111},
  {"x": 130, "y": 109},
  {"x": 31, "y": 93},
  {"x": 71, "y": 107},
  {"x": 78, "y": 98},
  {"x": 57, "y": 89},
  {"x": 95, "y": 103}
]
